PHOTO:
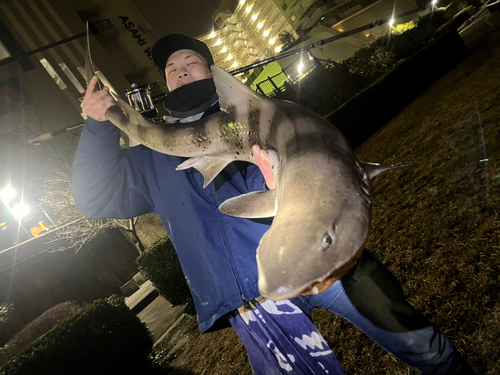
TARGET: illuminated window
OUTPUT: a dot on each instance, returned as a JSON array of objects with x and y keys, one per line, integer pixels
[{"x": 53, "y": 74}]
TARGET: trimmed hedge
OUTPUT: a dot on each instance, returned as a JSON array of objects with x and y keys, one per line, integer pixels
[
  {"x": 360, "y": 117},
  {"x": 160, "y": 264},
  {"x": 102, "y": 338},
  {"x": 37, "y": 328}
]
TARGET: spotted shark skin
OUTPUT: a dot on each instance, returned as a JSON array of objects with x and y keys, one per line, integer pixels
[{"x": 321, "y": 203}]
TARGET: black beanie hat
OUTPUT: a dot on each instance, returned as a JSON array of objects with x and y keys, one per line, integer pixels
[{"x": 171, "y": 43}]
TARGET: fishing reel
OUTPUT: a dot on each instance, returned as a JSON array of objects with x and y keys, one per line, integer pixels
[{"x": 139, "y": 98}]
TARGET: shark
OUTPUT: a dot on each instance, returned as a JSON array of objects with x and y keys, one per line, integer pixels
[{"x": 321, "y": 201}]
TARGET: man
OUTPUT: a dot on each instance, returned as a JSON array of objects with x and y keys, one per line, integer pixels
[{"x": 217, "y": 252}]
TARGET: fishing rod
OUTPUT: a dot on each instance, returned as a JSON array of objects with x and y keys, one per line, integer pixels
[
  {"x": 142, "y": 95},
  {"x": 322, "y": 42}
]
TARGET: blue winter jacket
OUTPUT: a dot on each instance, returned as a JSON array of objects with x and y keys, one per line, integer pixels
[{"x": 216, "y": 251}]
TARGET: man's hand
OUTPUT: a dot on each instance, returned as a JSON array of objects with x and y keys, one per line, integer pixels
[
  {"x": 95, "y": 104},
  {"x": 264, "y": 163}
]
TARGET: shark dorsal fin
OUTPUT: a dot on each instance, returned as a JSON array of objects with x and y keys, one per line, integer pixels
[{"x": 232, "y": 93}]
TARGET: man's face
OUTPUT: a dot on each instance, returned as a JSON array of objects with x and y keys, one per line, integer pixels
[{"x": 185, "y": 66}]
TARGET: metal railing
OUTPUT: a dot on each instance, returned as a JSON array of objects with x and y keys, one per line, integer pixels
[
  {"x": 272, "y": 85},
  {"x": 292, "y": 73}
]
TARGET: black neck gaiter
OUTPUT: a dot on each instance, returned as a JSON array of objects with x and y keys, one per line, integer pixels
[{"x": 191, "y": 99}]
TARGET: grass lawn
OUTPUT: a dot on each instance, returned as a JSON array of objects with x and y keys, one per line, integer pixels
[{"x": 435, "y": 225}]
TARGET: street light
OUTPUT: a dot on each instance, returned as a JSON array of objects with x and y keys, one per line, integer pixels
[
  {"x": 7, "y": 194},
  {"x": 20, "y": 210}
]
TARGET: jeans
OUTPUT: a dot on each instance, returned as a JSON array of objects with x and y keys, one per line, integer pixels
[{"x": 370, "y": 297}]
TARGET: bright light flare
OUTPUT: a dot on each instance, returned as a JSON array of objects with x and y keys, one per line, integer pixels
[
  {"x": 260, "y": 25},
  {"x": 212, "y": 35},
  {"x": 7, "y": 194},
  {"x": 20, "y": 210},
  {"x": 249, "y": 9},
  {"x": 254, "y": 17},
  {"x": 266, "y": 33},
  {"x": 218, "y": 42},
  {"x": 391, "y": 22},
  {"x": 300, "y": 68},
  {"x": 434, "y": 2}
]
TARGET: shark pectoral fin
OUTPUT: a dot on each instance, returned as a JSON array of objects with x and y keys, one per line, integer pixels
[
  {"x": 209, "y": 166},
  {"x": 257, "y": 204},
  {"x": 374, "y": 169}
]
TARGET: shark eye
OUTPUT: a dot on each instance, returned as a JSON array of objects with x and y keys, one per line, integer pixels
[{"x": 326, "y": 241}]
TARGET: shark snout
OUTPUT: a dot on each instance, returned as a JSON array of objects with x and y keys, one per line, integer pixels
[{"x": 295, "y": 262}]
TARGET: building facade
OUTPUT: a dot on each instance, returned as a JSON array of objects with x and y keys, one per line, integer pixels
[{"x": 247, "y": 33}]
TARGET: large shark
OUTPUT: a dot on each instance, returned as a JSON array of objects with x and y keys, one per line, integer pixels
[{"x": 321, "y": 203}]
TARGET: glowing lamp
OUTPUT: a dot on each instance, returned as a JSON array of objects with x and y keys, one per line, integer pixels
[
  {"x": 7, "y": 194},
  {"x": 21, "y": 210}
]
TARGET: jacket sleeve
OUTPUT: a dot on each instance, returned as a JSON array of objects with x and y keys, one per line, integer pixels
[
  {"x": 254, "y": 178},
  {"x": 107, "y": 182}
]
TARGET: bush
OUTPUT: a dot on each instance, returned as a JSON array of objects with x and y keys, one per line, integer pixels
[
  {"x": 37, "y": 328},
  {"x": 359, "y": 118},
  {"x": 160, "y": 264},
  {"x": 102, "y": 338},
  {"x": 326, "y": 89},
  {"x": 404, "y": 40},
  {"x": 5, "y": 309}
]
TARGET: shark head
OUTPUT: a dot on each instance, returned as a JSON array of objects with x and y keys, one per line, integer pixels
[
  {"x": 312, "y": 241},
  {"x": 304, "y": 255}
]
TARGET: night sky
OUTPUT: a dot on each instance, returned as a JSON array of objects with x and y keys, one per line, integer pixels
[{"x": 192, "y": 17}]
